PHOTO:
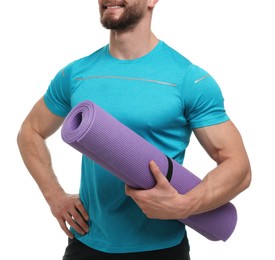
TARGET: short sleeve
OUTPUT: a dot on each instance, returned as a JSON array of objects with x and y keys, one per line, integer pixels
[
  {"x": 57, "y": 96},
  {"x": 203, "y": 99}
]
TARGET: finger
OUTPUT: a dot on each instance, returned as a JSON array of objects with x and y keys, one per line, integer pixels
[
  {"x": 156, "y": 172},
  {"x": 128, "y": 190},
  {"x": 75, "y": 226},
  {"x": 135, "y": 194},
  {"x": 77, "y": 222},
  {"x": 79, "y": 206},
  {"x": 64, "y": 227}
]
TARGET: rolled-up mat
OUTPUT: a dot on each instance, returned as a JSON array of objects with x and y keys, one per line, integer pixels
[{"x": 102, "y": 138}]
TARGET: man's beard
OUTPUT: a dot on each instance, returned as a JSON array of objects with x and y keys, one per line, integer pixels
[{"x": 131, "y": 16}]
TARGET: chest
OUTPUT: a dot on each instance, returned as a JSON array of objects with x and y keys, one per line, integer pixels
[{"x": 139, "y": 103}]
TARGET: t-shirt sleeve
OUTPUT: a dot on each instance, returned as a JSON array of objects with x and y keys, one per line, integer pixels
[
  {"x": 203, "y": 99},
  {"x": 57, "y": 96}
]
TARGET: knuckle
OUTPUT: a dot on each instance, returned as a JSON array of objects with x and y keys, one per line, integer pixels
[
  {"x": 148, "y": 215},
  {"x": 77, "y": 203},
  {"x": 78, "y": 219}
]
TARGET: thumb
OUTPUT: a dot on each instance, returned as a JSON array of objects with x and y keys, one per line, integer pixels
[{"x": 156, "y": 172}]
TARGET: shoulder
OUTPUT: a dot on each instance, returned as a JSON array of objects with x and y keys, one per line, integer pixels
[
  {"x": 179, "y": 59},
  {"x": 81, "y": 63}
]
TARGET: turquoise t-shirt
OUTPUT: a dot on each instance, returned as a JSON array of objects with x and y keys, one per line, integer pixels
[{"x": 162, "y": 96}]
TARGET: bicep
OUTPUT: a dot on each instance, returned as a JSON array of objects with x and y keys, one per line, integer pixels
[
  {"x": 42, "y": 120},
  {"x": 222, "y": 141}
]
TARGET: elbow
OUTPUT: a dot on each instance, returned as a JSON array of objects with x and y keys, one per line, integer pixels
[
  {"x": 247, "y": 179},
  {"x": 22, "y": 137},
  {"x": 18, "y": 138}
]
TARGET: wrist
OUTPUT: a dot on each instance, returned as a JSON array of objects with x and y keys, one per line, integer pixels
[
  {"x": 189, "y": 205},
  {"x": 51, "y": 195}
]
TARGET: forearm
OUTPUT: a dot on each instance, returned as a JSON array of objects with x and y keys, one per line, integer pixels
[
  {"x": 232, "y": 175},
  {"x": 66, "y": 208},
  {"x": 37, "y": 159},
  {"x": 218, "y": 187}
]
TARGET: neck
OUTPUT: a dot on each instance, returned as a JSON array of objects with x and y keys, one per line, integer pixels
[{"x": 133, "y": 43}]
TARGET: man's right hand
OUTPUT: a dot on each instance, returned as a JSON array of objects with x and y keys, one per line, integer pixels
[{"x": 68, "y": 209}]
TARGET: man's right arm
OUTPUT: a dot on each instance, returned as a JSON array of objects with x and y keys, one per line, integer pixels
[{"x": 39, "y": 124}]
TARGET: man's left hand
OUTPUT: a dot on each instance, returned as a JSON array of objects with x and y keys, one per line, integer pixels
[{"x": 160, "y": 202}]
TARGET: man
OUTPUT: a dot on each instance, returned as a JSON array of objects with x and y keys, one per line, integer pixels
[{"x": 163, "y": 97}]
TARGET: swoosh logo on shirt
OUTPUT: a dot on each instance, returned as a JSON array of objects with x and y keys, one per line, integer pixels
[
  {"x": 126, "y": 78},
  {"x": 202, "y": 78}
]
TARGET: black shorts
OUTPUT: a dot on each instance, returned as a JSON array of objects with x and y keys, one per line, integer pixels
[{"x": 79, "y": 251}]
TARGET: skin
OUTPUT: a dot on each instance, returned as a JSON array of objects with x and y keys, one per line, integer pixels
[
  {"x": 222, "y": 142},
  {"x": 232, "y": 175}
]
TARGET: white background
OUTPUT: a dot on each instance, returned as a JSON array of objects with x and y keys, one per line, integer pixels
[{"x": 232, "y": 40}]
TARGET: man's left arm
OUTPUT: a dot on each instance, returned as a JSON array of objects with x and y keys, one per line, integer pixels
[{"x": 232, "y": 175}]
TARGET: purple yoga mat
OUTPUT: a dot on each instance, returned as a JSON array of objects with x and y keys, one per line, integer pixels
[{"x": 102, "y": 138}]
